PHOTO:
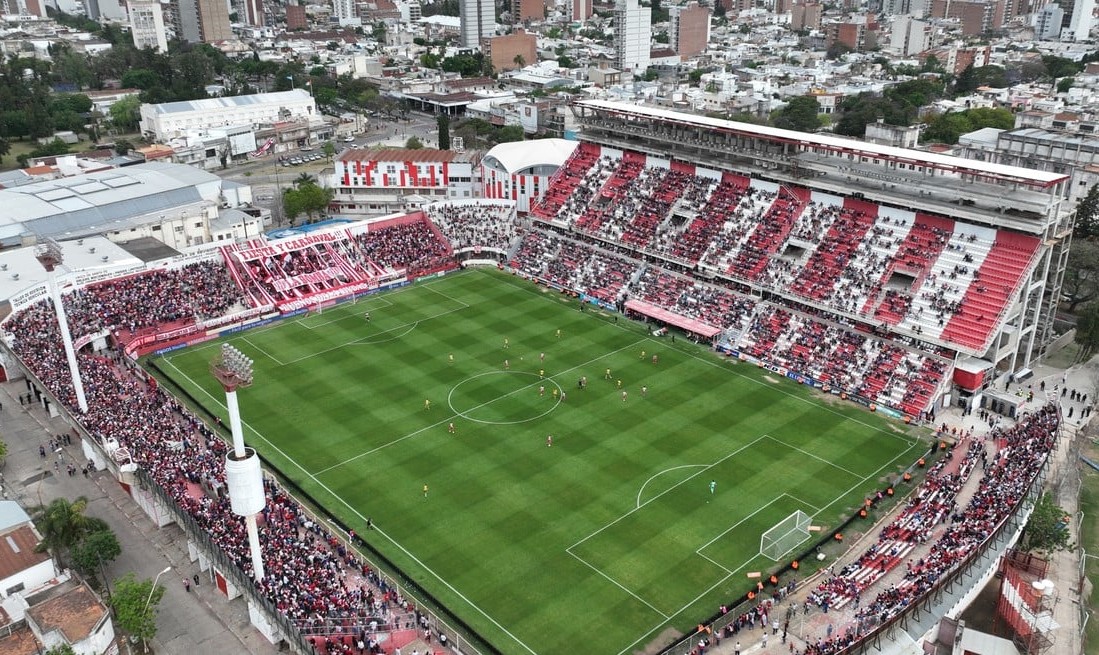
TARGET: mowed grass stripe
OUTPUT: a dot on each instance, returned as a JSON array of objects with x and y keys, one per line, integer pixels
[{"x": 503, "y": 507}]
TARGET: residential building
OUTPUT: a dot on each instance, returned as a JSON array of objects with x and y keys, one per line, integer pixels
[
  {"x": 204, "y": 21},
  {"x": 345, "y": 12},
  {"x": 147, "y": 25},
  {"x": 71, "y": 614},
  {"x": 916, "y": 8},
  {"x": 383, "y": 181},
  {"x": 858, "y": 37},
  {"x": 909, "y": 36},
  {"x": 253, "y": 13},
  {"x": 296, "y": 18},
  {"x": 478, "y": 21},
  {"x": 898, "y": 136},
  {"x": 580, "y": 10},
  {"x": 512, "y": 51},
  {"x": 632, "y": 35},
  {"x": 173, "y": 119},
  {"x": 1048, "y": 21},
  {"x": 527, "y": 10},
  {"x": 806, "y": 16},
  {"x": 976, "y": 16},
  {"x": 1079, "y": 27},
  {"x": 689, "y": 29}
]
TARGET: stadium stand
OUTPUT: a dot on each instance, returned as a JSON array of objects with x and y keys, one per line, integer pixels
[
  {"x": 1020, "y": 453},
  {"x": 475, "y": 223},
  {"x": 878, "y": 264}
]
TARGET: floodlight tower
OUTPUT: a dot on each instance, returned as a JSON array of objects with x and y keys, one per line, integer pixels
[
  {"x": 48, "y": 253},
  {"x": 242, "y": 468}
]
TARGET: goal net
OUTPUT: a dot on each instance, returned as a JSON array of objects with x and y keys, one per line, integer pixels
[{"x": 785, "y": 536}]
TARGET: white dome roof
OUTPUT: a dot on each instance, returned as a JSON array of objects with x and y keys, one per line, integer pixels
[{"x": 519, "y": 155}]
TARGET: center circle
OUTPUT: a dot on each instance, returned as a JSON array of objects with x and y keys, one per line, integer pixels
[{"x": 504, "y": 397}]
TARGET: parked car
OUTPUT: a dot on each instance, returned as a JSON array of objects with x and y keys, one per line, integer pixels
[{"x": 349, "y": 139}]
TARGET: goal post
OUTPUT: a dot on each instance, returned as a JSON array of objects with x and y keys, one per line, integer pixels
[{"x": 785, "y": 536}]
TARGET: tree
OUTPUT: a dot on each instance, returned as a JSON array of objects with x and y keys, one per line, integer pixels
[
  {"x": 123, "y": 146},
  {"x": 62, "y": 524},
  {"x": 1087, "y": 215},
  {"x": 1047, "y": 529},
  {"x": 1081, "y": 283},
  {"x": 94, "y": 550},
  {"x": 414, "y": 143},
  {"x": 443, "y": 123},
  {"x": 5, "y": 148},
  {"x": 125, "y": 114},
  {"x": 520, "y": 61},
  {"x": 135, "y": 605},
  {"x": 1065, "y": 84},
  {"x": 329, "y": 149},
  {"x": 801, "y": 113},
  {"x": 1087, "y": 331},
  {"x": 63, "y": 649},
  {"x": 305, "y": 198}
]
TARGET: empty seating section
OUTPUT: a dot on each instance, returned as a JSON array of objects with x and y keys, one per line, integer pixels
[
  {"x": 473, "y": 224},
  {"x": 914, "y": 258},
  {"x": 1005, "y": 266}
]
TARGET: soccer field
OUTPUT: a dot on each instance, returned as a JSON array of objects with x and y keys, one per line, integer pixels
[{"x": 596, "y": 544}]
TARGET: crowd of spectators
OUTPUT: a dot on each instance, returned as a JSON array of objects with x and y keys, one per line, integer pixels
[
  {"x": 414, "y": 246},
  {"x": 711, "y": 305},
  {"x": 197, "y": 291},
  {"x": 1008, "y": 476},
  {"x": 908, "y": 270},
  {"x": 480, "y": 223},
  {"x": 311, "y": 576}
]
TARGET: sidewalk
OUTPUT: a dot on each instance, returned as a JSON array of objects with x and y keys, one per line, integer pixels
[{"x": 188, "y": 622}]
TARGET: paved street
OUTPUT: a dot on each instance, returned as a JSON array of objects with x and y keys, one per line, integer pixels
[{"x": 199, "y": 621}]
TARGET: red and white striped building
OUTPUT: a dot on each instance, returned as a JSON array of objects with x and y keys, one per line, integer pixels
[
  {"x": 390, "y": 180},
  {"x": 521, "y": 170}
]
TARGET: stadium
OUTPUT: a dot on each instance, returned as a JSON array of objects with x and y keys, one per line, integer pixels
[{"x": 706, "y": 351}]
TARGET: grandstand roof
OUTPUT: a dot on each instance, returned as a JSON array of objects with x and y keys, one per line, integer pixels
[
  {"x": 986, "y": 169},
  {"x": 519, "y": 155},
  {"x": 214, "y": 104},
  {"x": 20, "y": 271},
  {"x": 95, "y": 202}
]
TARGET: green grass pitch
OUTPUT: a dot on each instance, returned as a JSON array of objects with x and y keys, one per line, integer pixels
[{"x": 602, "y": 541}]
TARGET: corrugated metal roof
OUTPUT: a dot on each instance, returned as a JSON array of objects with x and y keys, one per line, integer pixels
[{"x": 214, "y": 104}]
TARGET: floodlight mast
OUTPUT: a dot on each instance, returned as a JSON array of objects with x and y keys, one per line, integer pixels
[
  {"x": 48, "y": 253},
  {"x": 243, "y": 474}
]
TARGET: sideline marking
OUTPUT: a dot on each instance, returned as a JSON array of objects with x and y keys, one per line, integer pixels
[{"x": 362, "y": 518}]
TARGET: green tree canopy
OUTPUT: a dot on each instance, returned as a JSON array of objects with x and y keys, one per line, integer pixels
[
  {"x": 135, "y": 605},
  {"x": 62, "y": 524},
  {"x": 1087, "y": 331},
  {"x": 1047, "y": 529},
  {"x": 95, "y": 549},
  {"x": 1086, "y": 225},
  {"x": 414, "y": 143},
  {"x": 802, "y": 114},
  {"x": 946, "y": 128},
  {"x": 1081, "y": 283}
]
